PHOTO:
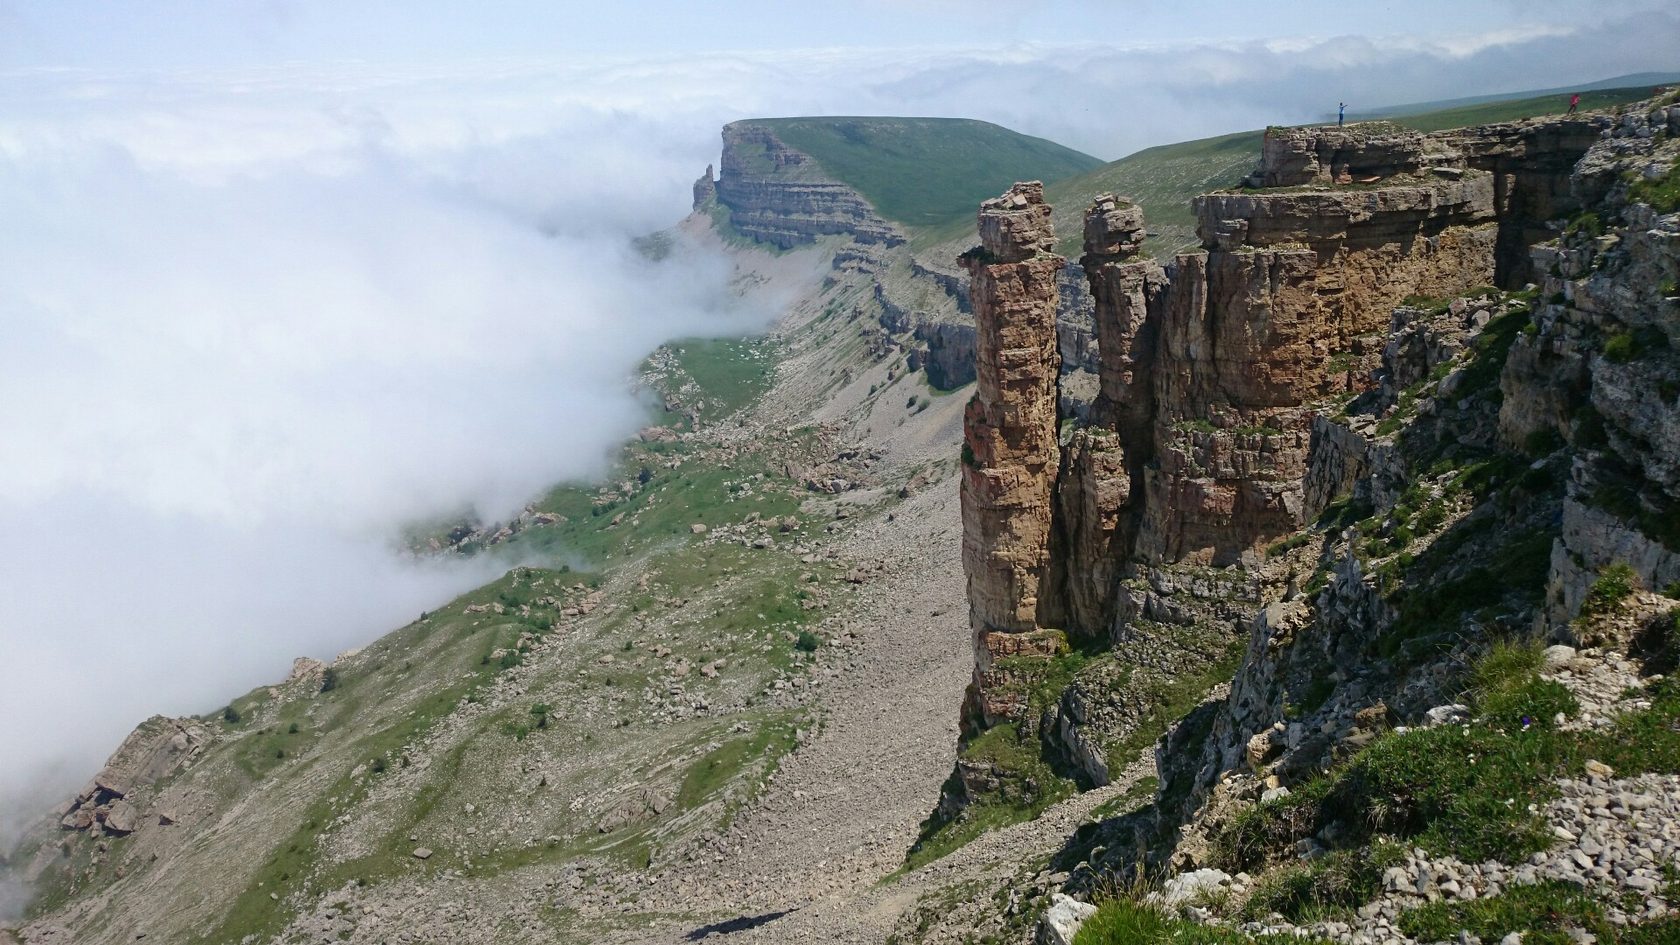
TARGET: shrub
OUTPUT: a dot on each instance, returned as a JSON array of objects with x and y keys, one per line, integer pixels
[
  {"x": 230, "y": 715},
  {"x": 329, "y": 679},
  {"x": 807, "y": 642},
  {"x": 1542, "y": 442},
  {"x": 378, "y": 765},
  {"x": 1333, "y": 883},
  {"x": 292, "y": 729},
  {"x": 541, "y": 712},
  {"x": 1615, "y": 584},
  {"x": 1620, "y": 348},
  {"x": 1587, "y": 223}
]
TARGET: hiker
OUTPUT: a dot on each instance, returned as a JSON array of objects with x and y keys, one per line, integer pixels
[
  {"x": 1574, "y": 103},
  {"x": 1341, "y": 113}
]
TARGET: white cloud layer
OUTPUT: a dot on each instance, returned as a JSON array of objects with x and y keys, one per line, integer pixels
[{"x": 250, "y": 322}]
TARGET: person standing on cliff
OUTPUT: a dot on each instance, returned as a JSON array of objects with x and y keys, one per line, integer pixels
[
  {"x": 1574, "y": 103},
  {"x": 1341, "y": 113}
]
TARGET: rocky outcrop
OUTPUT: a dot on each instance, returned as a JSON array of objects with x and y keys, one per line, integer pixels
[
  {"x": 1010, "y": 451},
  {"x": 155, "y": 750},
  {"x": 1329, "y": 350},
  {"x": 1510, "y": 452},
  {"x": 1598, "y": 372},
  {"x": 781, "y": 196},
  {"x": 705, "y": 191}
]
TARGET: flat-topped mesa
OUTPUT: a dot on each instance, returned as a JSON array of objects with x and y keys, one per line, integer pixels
[
  {"x": 1293, "y": 157},
  {"x": 779, "y": 195},
  {"x": 1010, "y": 440}
]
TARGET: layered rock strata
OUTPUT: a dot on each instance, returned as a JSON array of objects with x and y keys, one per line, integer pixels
[
  {"x": 1211, "y": 436},
  {"x": 1010, "y": 451},
  {"x": 779, "y": 195}
]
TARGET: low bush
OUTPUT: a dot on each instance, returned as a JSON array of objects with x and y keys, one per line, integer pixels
[{"x": 1616, "y": 583}]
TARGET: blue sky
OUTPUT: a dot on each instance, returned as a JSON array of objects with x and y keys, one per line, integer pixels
[{"x": 191, "y": 33}]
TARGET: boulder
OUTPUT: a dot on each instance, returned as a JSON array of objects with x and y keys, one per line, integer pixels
[{"x": 1061, "y": 922}]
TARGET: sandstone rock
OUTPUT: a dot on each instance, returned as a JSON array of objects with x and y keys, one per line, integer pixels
[{"x": 1010, "y": 427}]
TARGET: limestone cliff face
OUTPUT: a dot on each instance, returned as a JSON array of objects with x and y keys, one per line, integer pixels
[
  {"x": 1306, "y": 358},
  {"x": 778, "y": 195},
  {"x": 1010, "y": 433},
  {"x": 1598, "y": 370},
  {"x": 1250, "y": 331},
  {"x": 1569, "y": 393}
]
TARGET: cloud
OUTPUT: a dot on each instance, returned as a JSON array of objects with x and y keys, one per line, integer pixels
[{"x": 237, "y": 363}]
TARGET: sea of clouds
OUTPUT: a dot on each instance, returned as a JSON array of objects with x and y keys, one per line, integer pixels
[{"x": 252, "y": 322}]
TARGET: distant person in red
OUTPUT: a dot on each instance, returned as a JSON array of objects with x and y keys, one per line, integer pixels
[{"x": 1574, "y": 103}]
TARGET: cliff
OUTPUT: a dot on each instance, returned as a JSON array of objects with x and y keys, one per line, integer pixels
[
  {"x": 1010, "y": 451},
  {"x": 1327, "y": 440},
  {"x": 778, "y": 195}
]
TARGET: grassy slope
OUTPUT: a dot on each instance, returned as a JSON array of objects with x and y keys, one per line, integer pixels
[{"x": 927, "y": 171}]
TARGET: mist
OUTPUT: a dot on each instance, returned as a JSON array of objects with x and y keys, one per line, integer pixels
[{"x": 254, "y": 321}]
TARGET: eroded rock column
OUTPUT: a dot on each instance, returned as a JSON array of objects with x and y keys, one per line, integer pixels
[
  {"x": 1102, "y": 461},
  {"x": 1010, "y": 454}
]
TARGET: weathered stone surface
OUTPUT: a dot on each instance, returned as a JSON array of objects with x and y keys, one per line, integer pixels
[
  {"x": 778, "y": 195},
  {"x": 705, "y": 191},
  {"x": 1011, "y": 451},
  {"x": 1061, "y": 922},
  {"x": 1291, "y": 157}
]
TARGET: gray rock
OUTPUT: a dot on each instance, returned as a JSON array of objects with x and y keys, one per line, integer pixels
[{"x": 1061, "y": 922}]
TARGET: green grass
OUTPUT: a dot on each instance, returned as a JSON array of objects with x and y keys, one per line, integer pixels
[
  {"x": 730, "y": 372},
  {"x": 1484, "y": 113},
  {"x": 922, "y": 172},
  {"x": 1663, "y": 193},
  {"x": 1125, "y": 922},
  {"x": 722, "y": 766},
  {"x": 1540, "y": 911},
  {"x": 1163, "y": 179},
  {"x": 1330, "y": 886},
  {"x": 1615, "y": 583},
  {"x": 1460, "y": 790}
]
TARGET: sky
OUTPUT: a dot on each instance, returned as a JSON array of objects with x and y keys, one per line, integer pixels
[{"x": 278, "y": 278}]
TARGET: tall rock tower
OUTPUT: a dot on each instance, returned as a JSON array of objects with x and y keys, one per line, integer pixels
[{"x": 1010, "y": 453}]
